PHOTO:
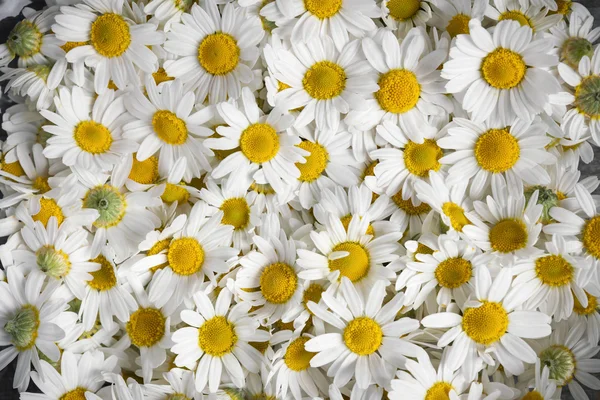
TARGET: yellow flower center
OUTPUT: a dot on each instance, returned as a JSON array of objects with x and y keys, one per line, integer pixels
[
  {"x": 508, "y": 235},
  {"x": 422, "y": 158},
  {"x": 563, "y": 7},
  {"x": 402, "y": 10},
  {"x": 13, "y": 168},
  {"x": 554, "y": 270},
  {"x": 422, "y": 249},
  {"x": 48, "y": 209},
  {"x": 156, "y": 249},
  {"x": 71, "y": 45},
  {"x": 219, "y": 53},
  {"x": 236, "y": 212},
  {"x": 346, "y": 222},
  {"x": 75, "y": 394},
  {"x": 296, "y": 357},
  {"x": 312, "y": 293},
  {"x": 497, "y": 150},
  {"x": 399, "y": 91},
  {"x": 323, "y": 8},
  {"x": 110, "y": 35},
  {"x": 516, "y": 15},
  {"x": 485, "y": 324},
  {"x": 456, "y": 214},
  {"x": 439, "y": 391},
  {"x": 316, "y": 161},
  {"x": 262, "y": 188},
  {"x": 408, "y": 206},
  {"x": 161, "y": 76},
  {"x": 41, "y": 184},
  {"x": 176, "y": 193},
  {"x": 185, "y": 256},
  {"x": 146, "y": 327},
  {"x": 92, "y": 137},
  {"x": 458, "y": 25},
  {"x": 363, "y": 336},
  {"x": 169, "y": 128},
  {"x": 324, "y": 80},
  {"x": 104, "y": 278},
  {"x": 591, "y": 307},
  {"x": 503, "y": 68},
  {"x": 591, "y": 236},
  {"x": 144, "y": 172},
  {"x": 278, "y": 283},
  {"x": 356, "y": 265},
  {"x": 533, "y": 395},
  {"x": 259, "y": 143},
  {"x": 217, "y": 337},
  {"x": 453, "y": 272}
]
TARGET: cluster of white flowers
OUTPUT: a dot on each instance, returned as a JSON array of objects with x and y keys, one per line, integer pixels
[{"x": 301, "y": 199}]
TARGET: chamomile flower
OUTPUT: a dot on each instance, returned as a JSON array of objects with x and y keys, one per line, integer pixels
[
  {"x": 484, "y": 152},
  {"x": 216, "y": 51},
  {"x": 323, "y": 81},
  {"x": 350, "y": 253},
  {"x": 115, "y": 45},
  {"x": 575, "y": 39},
  {"x": 87, "y": 133},
  {"x": 524, "y": 12},
  {"x": 402, "y": 15},
  {"x": 165, "y": 123},
  {"x": 494, "y": 73},
  {"x": 217, "y": 340},
  {"x": 33, "y": 82},
  {"x": 168, "y": 11},
  {"x": 410, "y": 88},
  {"x": 454, "y": 17},
  {"x": 490, "y": 324},
  {"x": 366, "y": 336},
  {"x": 543, "y": 387}
]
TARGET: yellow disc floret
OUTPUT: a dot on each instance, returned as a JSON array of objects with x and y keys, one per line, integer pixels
[
  {"x": 185, "y": 256},
  {"x": 439, "y": 391},
  {"x": 144, "y": 172},
  {"x": 278, "y": 282},
  {"x": 458, "y": 25},
  {"x": 497, "y": 150},
  {"x": 591, "y": 236},
  {"x": 323, "y": 8},
  {"x": 259, "y": 143},
  {"x": 356, "y": 265},
  {"x": 591, "y": 306},
  {"x": 236, "y": 212},
  {"x": 399, "y": 91},
  {"x": 421, "y": 158},
  {"x": 456, "y": 214},
  {"x": 219, "y": 53},
  {"x": 217, "y": 337},
  {"x": 75, "y": 394},
  {"x": 401, "y": 10},
  {"x": 48, "y": 208},
  {"x": 324, "y": 80},
  {"x": 92, "y": 137},
  {"x": 485, "y": 324},
  {"x": 363, "y": 336},
  {"x": 533, "y": 395},
  {"x": 296, "y": 357},
  {"x": 408, "y": 206},
  {"x": 508, "y": 235},
  {"x": 169, "y": 128},
  {"x": 104, "y": 278},
  {"x": 503, "y": 68},
  {"x": 110, "y": 35},
  {"x": 146, "y": 327},
  {"x": 554, "y": 270},
  {"x": 453, "y": 272},
  {"x": 516, "y": 15},
  {"x": 174, "y": 193},
  {"x": 316, "y": 161}
]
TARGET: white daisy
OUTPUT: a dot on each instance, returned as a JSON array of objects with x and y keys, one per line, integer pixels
[
  {"x": 217, "y": 51},
  {"x": 524, "y": 12},
  {"x": 37, "y": 82},
  {"x": 454, "y": 16},
  {"x": 168, "y": 11},
  {"x": 402, "y": 15},
  {"x": 575, "y": 39}
]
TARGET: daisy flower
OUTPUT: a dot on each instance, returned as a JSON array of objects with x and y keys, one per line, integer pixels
[
  {"x": 491, "y": 325},
  {"x": 367, "y": 336},
  {"x": 350, "y": 253},
  {"x": 575, "y": 39},
  {"x": 402, "y": 15},
  {"x": 454, "y": 17},
  {"x": 36, "y": 82},
  {"x": 27, "y": 317},
  {"x": 168, "y": 12},
  {"x": 542, "y": 387},
  {"x": 483, "y": 152},
  {"x": 268, "y": 279},
  {"x": 259, "y": 143},
  {"x": 166, "y": 124},
  {"x": 79, "y": 377},
  {"x": 217, "y": 51},
  {"x": 524, "y": 12},
  {"x": 493, "y": 73},
  {"x": 410, "y": 88},
  {"x": 87, "y": 133},
  {"x": 323, "y": 81},
  {"x": 115, "y": 45},
  {"x": 338, "y": 19},
  {"x": 217, "y": 339}
]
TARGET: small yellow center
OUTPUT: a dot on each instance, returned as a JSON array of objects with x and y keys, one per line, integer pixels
[
  {"x": 71, "y": 45},
  {"x": 508, "y": 235},
  {"x": 439, "y": 391},
  {"x": 48, "y": 209},
  {"x": 497, "y": 150},
  {"x": 356, "y": 265},
  {"x": 591, "y": 236},
  {"x": 346, "y": 222},
  {"x": 236, "y": 212},
  {"x": 161, "y": 245},
  {"x": 363, "y": 336},
  {"x": 13, "y": 168},
  {"x": 169, "y": 128},
  {"x": 516, "y": 15},
  {"x": 185, "y": 256},
  {"x": 312, "y": 293},
  {"x": 408, "y": 206},
  {"x": 485, "y": 324},
  {"x": 458, "y": 25},
  {"x": 533, "y": 395},
  {"x": 110, "y": 35},
  {"x": 419, "y": 159},
  {"x": 278, "y": 283},
  {"x": 104, "y": 278},
  {"x": 591, "y": 307},
  {"x": 259, "y": 143},
  {"x": 296, "y": 357},
  {"x": 503, "y": 68},
  {"x": 316, "y": 161},
  {"x": 174, "y": 193},
  {"x": 323, "y": 8},
  {"x": 324, "y": 80},
  {"x": 219, "y": 53},
  {"x": 161, "y": 76},
  {"x": 554, "y": 270},
  {"x": 217, "y": 337},
  {"x": 146, "y": 327},
  {"x": 75, "y": 394},
  {"x": 402, "y": 10},
  {"x": 399, "y": 91},
  {"x": 92, "y": 137},
  {"x": 453, "y": 272},
  {"x": 144, "y": 172},
  {"x": 41, "y": 184},
  {"x": 456, "y": 214},
  {"x": 422, "y": 249},
  {"x": 563, "y": 7}
]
